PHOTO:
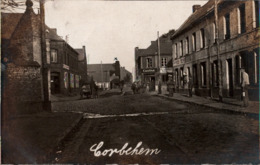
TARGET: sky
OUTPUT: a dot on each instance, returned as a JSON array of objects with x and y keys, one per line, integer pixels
[{"x": 112, "y": 29}]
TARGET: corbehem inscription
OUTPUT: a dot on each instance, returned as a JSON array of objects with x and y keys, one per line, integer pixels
[{"x": 123, "y": 151}]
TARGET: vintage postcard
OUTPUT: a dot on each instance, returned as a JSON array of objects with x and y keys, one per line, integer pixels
[{"x": 129, "y": 82}]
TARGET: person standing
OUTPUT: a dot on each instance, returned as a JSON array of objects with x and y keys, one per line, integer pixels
[{"x": 244, "y": 86}]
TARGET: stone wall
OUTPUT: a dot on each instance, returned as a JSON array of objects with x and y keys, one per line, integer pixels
[{"x": 22, "y": 90}]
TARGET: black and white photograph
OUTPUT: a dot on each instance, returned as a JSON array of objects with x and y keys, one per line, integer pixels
[{"x": 130, "y": 82}]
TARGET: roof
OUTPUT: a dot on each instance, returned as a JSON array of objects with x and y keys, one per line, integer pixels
[
  {"x": 165, "y": 47},
  {"x": 194, "y": 17},
  {"x": 81, "y": 55},
  {"x": 95, "y": 71},
  {"x": 9, "y": 23},
  {"x": 97, "y": 67},
  {"x": 11, "y": 20},
  {"x": 51, "y": 33}
]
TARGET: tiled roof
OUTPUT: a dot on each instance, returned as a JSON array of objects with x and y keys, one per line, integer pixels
[
  {"x": 194, "y": 17},
  {"x": 9, "y": 22},
  {"x": 165, "y": 47}
]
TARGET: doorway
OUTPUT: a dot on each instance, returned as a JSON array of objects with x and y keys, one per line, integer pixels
[
  {"x": 152, "y": 82},
  {"x": 55, "y": 83}
]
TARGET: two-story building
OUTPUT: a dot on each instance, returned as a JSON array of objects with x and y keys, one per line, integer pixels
[
  {"x": 64, "y": 66},
  {"x": 214, "y": 43},
  {"x": 149, "y": 68}
]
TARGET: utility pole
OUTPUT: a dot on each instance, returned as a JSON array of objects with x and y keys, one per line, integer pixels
[
  {"x": 209, "y": 63},
  {"x": 45, "y": 75},
  {"x": 102, "y": 74},
  {"x": 219, "y": 60},
  {"x": 159, "y": 51}
]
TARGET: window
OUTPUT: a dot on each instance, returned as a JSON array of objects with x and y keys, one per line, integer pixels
[
  {"x": 176, "y": 52},
  {"x": 202, "y": 38},
  {"x": 227, "y": 26},
  {"x": 164, "y": 62},
  {"x": 66, "y": 80},
  {"x": 194, "y": 74},
  {"x": 149, "y": 63},
  {"x": 194, "y": 42},
  {"x": 187, "y": 45},
  {"x": 54, "y": 56},
  {"x": 77, "y": 78},
  {"x": 241, "y": 13},
  {"x": 215, "y": 73},
  {"x": 256, "y": 13},
  {"x": 214, "y": 32},
  {"x": 203, "y": 74},
  {"x": 72, "y": 80},
  {"x": 181, "y": 48}
]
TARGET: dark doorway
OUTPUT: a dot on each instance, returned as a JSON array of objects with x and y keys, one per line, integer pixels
[
  {"x": 230, "y": 77},
  {"x": 152, "y": 82},
  {"x": 55, "y": 83}
]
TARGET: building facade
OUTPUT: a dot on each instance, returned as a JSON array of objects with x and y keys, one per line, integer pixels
[
  {"x": 149, "y": 68},
  {"x": 212, "y": 48},
  {"x": 105, "y": 75},
  {"x": 22, "y": 81}
]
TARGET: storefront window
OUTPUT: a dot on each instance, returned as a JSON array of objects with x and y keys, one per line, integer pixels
[
  {"x": 72, "y": 80},
  {"x": 66, "y": 80},
  {"x": 77, "y": 81}
]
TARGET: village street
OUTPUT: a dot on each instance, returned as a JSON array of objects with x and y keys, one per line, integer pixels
[{"x": 184, "y": 133}]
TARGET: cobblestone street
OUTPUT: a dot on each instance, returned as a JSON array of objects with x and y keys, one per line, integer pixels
[{"x": 183, "y": 132}]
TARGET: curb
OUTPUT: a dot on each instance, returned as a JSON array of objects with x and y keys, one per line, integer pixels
[{"x": 249, "y": 114}]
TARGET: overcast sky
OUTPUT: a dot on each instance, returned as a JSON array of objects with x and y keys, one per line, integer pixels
[{"x": 112, "y": 29}]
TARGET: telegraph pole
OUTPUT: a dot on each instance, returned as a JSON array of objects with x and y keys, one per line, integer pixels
[
  {"x": 219, "y": 60},
  {"x": 45, "y": 75}
]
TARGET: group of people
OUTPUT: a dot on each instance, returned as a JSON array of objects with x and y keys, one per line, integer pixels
[
  {"x": 136, "y": 86},
  {"x": 171, "y": 84}
]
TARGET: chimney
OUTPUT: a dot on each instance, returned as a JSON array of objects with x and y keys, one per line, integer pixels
[
  {"x": 195, "y": 8},
  {"x": 55, "y": 30}
]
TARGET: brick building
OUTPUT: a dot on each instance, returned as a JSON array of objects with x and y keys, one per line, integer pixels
[
  {"x": 195, "y": 48},
  {"x": 104, "y": 74},
  {"x": 21, "y": 57},
  {"x": 67, "y": 65},
  {"x": 147, "y": 67}
]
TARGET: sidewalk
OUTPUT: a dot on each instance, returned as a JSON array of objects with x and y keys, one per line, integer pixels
[
  {"x": 32, "y": 138},
  {"x": 228, "y": 104}
]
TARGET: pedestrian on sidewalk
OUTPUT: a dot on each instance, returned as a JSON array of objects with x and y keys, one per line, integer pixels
[
  {"x": 244, "y": 87},
  {"x": 190, "y": 86}
]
